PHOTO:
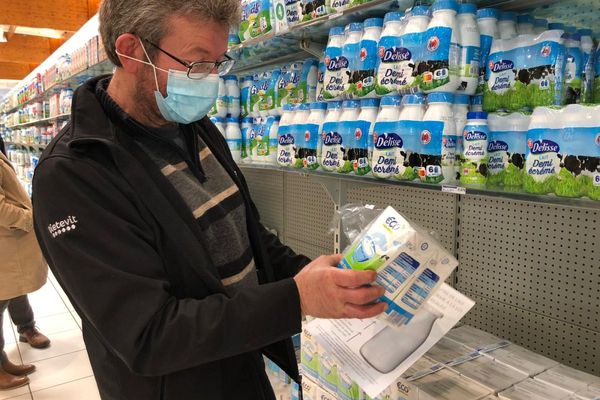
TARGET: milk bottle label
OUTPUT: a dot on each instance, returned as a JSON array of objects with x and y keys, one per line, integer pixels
[
  {"x": 471, "y": 66},
  {"x": 441, "y": 59},
  {"x": 336, "y": 64},
  {"x": 486, "y": 45},
  {"x": 597, "y": 78},
  {"x": 413, "y": 44},
  {"x": 390, "y": 65},
  {"x": 286, "y": 85},
  {"x": 340, "y": 5},
  {"x": 358, "y": 151},
  {"x": 388, "y": 146},
  {"x": 261, "y": 136},
  {"x": 431, "y": 152},
  {"x": 320, "y": 81},
  {"x": 350, "y": 72},
  {"x": 474, "y": 165},
  {"x": 566, "y": 162},
  {"x": 506, "y": 158},
  {"x": 333, "y": 147},
  {"x": 308, "y": 154},
  {"x": 408, "y": 159},
  {"x": 312, "y": 9},
  {"x": 257, "y": 93},
  {"x": 285, "y": 147},
  {"x": 293, "y": 11},
  {"x": 256, "y": 19},
  {"x": 573, "y": 71},
  {"x": 362, "y": 81}
]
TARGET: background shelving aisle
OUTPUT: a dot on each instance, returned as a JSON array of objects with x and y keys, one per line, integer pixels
[{"x": 63, "y": 370}]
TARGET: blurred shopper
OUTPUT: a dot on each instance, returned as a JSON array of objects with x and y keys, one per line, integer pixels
[
  {"x": 148, "y": 224},
  {"x": 22, "y": 270}
]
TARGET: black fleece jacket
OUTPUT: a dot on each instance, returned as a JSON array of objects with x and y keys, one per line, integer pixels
[{"x": 157, "y": 322}]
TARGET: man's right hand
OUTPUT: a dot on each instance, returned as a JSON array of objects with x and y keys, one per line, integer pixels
[{"x": 329, "y": 292}]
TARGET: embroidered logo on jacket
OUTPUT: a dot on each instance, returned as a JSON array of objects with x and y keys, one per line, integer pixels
[{"x": 60, "y": 227}]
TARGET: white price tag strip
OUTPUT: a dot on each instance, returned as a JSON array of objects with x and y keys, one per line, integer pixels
[{"x": 454, "y": 189}]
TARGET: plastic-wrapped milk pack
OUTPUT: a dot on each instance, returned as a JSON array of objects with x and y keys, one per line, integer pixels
[{"x": 410, "y": 264}]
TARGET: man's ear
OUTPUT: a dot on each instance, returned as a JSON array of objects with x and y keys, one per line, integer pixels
[{"x": 130, "y": 45}]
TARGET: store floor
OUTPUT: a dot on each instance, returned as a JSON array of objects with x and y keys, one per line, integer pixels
[{"x": 63, "y": 370}]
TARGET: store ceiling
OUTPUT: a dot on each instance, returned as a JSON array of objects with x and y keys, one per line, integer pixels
[{"x": 32, "y": 30}]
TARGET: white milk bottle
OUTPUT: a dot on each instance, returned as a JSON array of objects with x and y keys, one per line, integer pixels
[
  {"x": 387, "y": 141},
  {"x": 587, "y": 48},
  {"x": 540, "y": 26},
  {"x": 330, "y": 137},
  {"x": 298, "y": 129},
  {"x": 221, "y": 105},
  {"x": 438, "y": 140},
  {"x": 389, "y": 64},
  {"x": 245, "y": 85},
  {"x": 460, "y": 110},
  {"x": 477, "y": 103},
  {"x": 409, "y": 50},
  {"x": 245, "y": 131},
  {"x": 233, "y": 137},
  {"x": 232, "y": 90},
  {"x": 312, "y": 133},
  {"x": 341, "y": 147},
  {"x": 408, "y": 162},
  {"x": 333, "y": 82},
  {"x": 351, "y": 53},
  {"x": 220, "y": 124},
  {"x": 439, "y": 69},
  {"x": 286, "y": 142},
  {"x": 507, "y": 25},
  {"x": 273, "y": 128},
  {"x": 362, "y": 81},
  {"x": 487, "y": 21},
  {"x": 470, "y": 46},
  {"x": 574, "y": 67},
  {"x": 363, "y": 136},
  {"x": 525, "y": 24},
  {"x": 507, "y": 146},
  {"x": 543, "y": 157},
  {"x": 475, "y": 157}
]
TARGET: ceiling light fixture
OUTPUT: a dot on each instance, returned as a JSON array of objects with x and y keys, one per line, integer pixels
[{"x": 41, "y": 32}]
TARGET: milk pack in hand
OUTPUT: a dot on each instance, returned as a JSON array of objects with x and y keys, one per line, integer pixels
[{"x": 410, "y": 265}]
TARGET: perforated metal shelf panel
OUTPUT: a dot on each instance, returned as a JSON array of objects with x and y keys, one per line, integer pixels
[
  {"x": 567, "y": 343},
  {"x": 308, "y": 249},
  {"x": 266, "y": 188},
  {"x": 308, "y": 211},
  {"x": 434, "y": 211},
  {"x": 541, "y": 259}
]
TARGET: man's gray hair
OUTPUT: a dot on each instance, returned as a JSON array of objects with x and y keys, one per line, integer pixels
[{"x": 148, "y": 18}]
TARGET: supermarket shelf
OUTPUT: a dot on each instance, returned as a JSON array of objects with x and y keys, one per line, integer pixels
[
  {"x": 41, "y": 122},
  {"x": 104, "y": 67},
  {"x": 35, "y": 146},
  {"x": 495, "y": 193}
]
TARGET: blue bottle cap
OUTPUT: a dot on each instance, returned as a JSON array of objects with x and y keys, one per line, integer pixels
[
  {"x": 233, "y": 120},
  {"x": 393, "y": 16},
  {"x": 508, "y": 16},
  {"x": 487, "y": 13},
  {"x": 462, "y": 99},
  {"x": 355, "y": 27},
  {"x": 477, "y": 115},
  {"x": 391, "y": 100},
  {"x": 220, "y": 120},
  {"x": 288, "y": 107},
  {"x": 318, "y": 106},
  {"x": 334, "y": 105},
  {"x": 369, "y": 103},
  {"x": 444, "y": 5},
  {"x": 420, "y": 11},
  {"x": 336, "y": 31},
  {"x": 467, "y": 8},
  {"x": 302, "y": 107},
  {"x": 556, "y": 26},
  {"x": 351, "y": 104},
  {"x": 576, "y": 36},
  {"x": 373, "y": 22},
  {"x": 230, "y": 78},
  {"x": 541, "y": 23},
  {"x": 247, "y": 120},
  {"x": 477, "y": 100},
  {"x": 525, "y": 19},
  {"x": 440, "y": 97},
  {"x": 413, "y": 99},
  {"x": 570, "y": 29},
  {"x": 585, "y": 32}
]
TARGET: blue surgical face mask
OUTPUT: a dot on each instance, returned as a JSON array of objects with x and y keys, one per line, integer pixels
[{"x": 188, "y": 100}]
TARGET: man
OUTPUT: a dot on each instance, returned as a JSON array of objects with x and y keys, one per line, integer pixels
[
  {"x": 148, "y": 224},
  {"x": 22, "y": 271}
]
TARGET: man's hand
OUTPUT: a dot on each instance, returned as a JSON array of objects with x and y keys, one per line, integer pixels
[{"x": 329, "y": 292}]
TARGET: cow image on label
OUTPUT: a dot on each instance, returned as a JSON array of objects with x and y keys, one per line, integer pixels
[{"x": 392, "y": 346}]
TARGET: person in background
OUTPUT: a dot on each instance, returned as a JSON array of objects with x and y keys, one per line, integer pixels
[
  {"x": 22, "y": 270},
  {"x": 148, "y": 224},
  {"x": 2, "y": 146}
]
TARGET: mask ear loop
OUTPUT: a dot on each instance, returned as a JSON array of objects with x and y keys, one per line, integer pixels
[{"x": 149, "y": 62}]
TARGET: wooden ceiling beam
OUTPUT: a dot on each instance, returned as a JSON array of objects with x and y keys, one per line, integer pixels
[
  {"x": 26, "y": 49},
  {"x": 64, "y": 15},
  {"x": 17, "y": 71}
]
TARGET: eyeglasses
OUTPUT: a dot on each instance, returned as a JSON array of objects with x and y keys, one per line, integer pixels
[{"x": 201, "y": 69}]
